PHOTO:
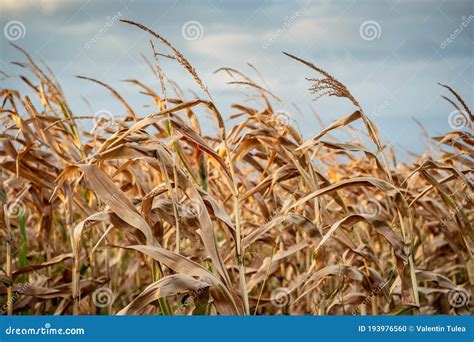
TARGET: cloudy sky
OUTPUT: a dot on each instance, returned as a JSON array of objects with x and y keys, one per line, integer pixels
[{"x": 390, "y": 54}]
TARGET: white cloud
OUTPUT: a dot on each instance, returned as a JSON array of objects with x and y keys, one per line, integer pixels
[
  {"x": 21, "y": 6},
  {"x": 228, "y": 47}
]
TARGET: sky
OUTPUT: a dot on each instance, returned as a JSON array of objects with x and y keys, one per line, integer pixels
[{"x": 390, "y": 54}]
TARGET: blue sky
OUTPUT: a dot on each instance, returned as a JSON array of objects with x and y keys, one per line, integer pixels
[{"x": 392, "y": 67}]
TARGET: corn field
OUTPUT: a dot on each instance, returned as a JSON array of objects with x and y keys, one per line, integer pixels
[{"x": 145, "y": 215}]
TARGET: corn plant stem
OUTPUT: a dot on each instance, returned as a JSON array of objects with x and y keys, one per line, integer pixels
[
  {"x": 175, "y": 207},
  {"x": 239, "y": 247},
  {"x": 75, "y": 285},
  {"x": 267, "y": 272},
  {"x": 8, "y": 261},
  {"x": 174, "y": 191},
  {"x": 107, "y": 273},
  {"x": 164, "y": 306}
]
